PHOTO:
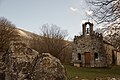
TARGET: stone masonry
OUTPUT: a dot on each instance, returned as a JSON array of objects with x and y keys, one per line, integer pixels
[{"x": 88, "y": 48}]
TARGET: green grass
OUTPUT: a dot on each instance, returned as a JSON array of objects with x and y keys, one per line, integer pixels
[{"x": 92, "y": 73}]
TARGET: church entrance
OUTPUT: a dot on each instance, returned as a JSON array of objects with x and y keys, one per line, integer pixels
[{"x": 87, "y": 59}]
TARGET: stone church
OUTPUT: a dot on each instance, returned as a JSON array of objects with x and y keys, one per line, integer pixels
[{"x": 88, "y": 48}]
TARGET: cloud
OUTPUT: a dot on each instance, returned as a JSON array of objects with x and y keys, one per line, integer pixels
[{"x": 73, "y": 9}]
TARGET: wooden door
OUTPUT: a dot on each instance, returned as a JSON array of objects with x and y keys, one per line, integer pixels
[{"x": 87, "y": 59}]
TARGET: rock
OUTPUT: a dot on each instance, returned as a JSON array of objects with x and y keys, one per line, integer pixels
[
  {"x": 118, "y": 78},
  {"x": 84, "y": 79},
  {"x": 48, "y": 68},
  {"x": 113, "y": 79},
  {"x": 24, "y": 63}
]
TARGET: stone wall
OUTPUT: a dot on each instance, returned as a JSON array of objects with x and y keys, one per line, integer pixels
[
  {"x": 113, "y": 56},
  {"x": 89, "y": 43},
  {"x": 109, "y": 52},
  {"x": 118, "y": 58}
]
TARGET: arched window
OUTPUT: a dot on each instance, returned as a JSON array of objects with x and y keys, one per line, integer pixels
[
  {"x": 87, "y": 29},
  {"x": 79, "y": 56},
  {"x": 95, "y": 55}
]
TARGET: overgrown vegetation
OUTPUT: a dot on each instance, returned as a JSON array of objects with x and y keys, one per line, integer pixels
[
  {"x": 6, "y": 33},
  {"x": 6, "y": 36},
  {"x": 91, "y": 73},
  {"x": 52, "y": 40}
]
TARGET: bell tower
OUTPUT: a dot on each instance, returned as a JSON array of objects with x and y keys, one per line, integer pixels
[{"x": 87, "y": 28}]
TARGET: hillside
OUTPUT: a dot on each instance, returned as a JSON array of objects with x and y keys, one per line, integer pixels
[{"x": 36, "y": 42}]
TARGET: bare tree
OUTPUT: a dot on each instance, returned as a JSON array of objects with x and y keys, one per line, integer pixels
[
  {"x": 105, "y": 10},
  {"x": 6, "y": 33},
  {"x": 113, "y": 36},
  {"x": 53, "y": 40},
  {"x": 108, "y": 11}
]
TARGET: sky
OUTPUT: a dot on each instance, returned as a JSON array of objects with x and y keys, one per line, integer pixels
[{"x": 30, "y": 15}]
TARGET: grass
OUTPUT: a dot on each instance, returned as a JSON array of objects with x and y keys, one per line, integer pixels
[{"x": 92, "y": 73}]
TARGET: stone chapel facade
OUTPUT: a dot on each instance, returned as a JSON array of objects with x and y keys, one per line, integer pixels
[{"x": 88, "y": 48}]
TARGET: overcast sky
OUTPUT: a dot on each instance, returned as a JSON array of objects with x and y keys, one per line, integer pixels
[{"x": 31, "y": 14}]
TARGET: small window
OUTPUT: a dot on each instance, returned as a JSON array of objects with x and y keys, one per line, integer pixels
[
  {"x": 87, "y": 29},
  {"x": 2, "y": 76},
  {"x": 79, "y": 56},
  {"x": 96, "y": 55}
]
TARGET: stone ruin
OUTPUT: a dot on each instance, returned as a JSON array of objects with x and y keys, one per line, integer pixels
[
  {"x": 24, "y": 63},
  {"x": 88, "y": 48}
]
